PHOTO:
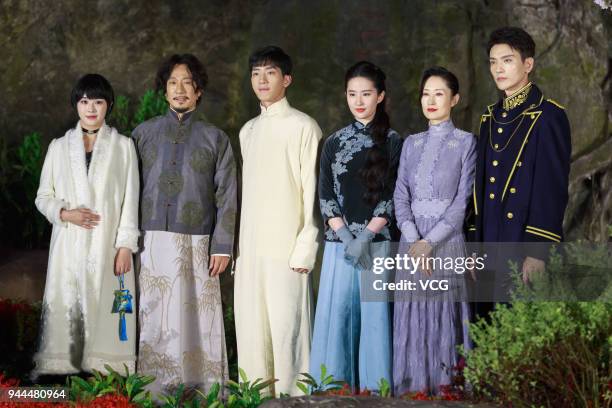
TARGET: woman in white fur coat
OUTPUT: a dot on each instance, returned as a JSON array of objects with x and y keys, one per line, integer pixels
[{"x": 89, "y": 190}]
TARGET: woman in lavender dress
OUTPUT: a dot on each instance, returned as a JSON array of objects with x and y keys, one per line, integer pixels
[{"x": 435, "y": 178}]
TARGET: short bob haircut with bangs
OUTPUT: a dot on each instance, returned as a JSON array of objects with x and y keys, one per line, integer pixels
[{"x": 93, "y": 86}]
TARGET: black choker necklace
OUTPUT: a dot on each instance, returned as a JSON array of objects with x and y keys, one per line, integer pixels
[{"x": 90, "y": 132}]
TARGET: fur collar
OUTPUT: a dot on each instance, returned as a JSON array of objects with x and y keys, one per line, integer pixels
[{"x": 84, "y": 181}]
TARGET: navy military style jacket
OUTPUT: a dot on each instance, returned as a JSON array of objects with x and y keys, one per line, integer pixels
[{"x": 521, "y": 186}]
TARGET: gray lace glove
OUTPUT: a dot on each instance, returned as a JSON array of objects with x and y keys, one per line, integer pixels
[
  {"x": 358, "y": 250},
  {"x": 345, "y": 235}
]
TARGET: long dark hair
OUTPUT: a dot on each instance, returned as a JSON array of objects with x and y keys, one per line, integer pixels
[{"x": 376, "y": 166}]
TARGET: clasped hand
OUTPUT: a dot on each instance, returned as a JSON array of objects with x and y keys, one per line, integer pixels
[
  {"x": 82, "y": 217},
  {"x": 421, "y": 250},
  {"x": 357, "y": 248}
]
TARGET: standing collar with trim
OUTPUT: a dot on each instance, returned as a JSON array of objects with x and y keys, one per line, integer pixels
[
  {"x": 499, "y": 114},
  {"x": 517, "y": 99},
  {"x": 277, "y": 107}
]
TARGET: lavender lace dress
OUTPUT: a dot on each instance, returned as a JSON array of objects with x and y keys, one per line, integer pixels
[{"x": 435, "y": 178}]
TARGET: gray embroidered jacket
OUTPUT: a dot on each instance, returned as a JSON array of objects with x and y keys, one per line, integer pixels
[{"x": 188, "y": 179}]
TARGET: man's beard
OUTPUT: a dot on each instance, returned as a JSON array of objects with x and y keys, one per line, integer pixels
[{"x": 180, "y": 110}]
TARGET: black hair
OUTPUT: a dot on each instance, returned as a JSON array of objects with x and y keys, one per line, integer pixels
[
  {"x": 516, "y": 38},
  {"x": 451, "y": 79},
  {"x": 93, "y": 86},
  {"x": 271, "y": 55},
  {"x": 376, "y": 168},
  {"x": 195, "y": 67}
]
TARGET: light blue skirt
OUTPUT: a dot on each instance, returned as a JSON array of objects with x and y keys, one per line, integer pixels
[{"x": 352, "y": 338}]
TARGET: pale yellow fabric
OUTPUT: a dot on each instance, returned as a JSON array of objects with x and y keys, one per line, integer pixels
[{"x": 278, "y": 231}]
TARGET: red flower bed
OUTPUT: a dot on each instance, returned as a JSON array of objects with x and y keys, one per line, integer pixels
[
  {"x": 7, "y": 382},
  {"x": 448, "y": 392},
  {"x": 108, "y": 401}
]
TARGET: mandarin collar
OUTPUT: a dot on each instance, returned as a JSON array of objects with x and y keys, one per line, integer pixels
[
  {"x": 516, "y": 99},
  {"x": 361, "y": 127},
  {"x": 533, "y": 100},
  {"x": 277, "y": 107},
  {"x": 442, "y": 128},
  {"x": 174, "y": 116}
]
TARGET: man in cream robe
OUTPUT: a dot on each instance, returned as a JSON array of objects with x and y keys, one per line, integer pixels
[
  {"x": 79, "y": 332},
  {"x": 278, "y": 235}
]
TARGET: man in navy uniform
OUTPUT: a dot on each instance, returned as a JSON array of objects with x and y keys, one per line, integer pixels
[{"x": 524, "y": 148}]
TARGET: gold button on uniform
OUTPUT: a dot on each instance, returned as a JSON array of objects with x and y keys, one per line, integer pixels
[
  {"x": 510, "y": 215},
  {"x": 512, "y": 190},
  {"x": 532, "y": 116},
  {"x": 495, "y": 163},
  {"x": 492, "y": 179},
  {"x": 519, "y": 164},
  {"x": 504, "y": 114},
  {"x": 491, "y": 196},
  {"x": 500, "y": 130},
  {"x": 496, "y": 146}
]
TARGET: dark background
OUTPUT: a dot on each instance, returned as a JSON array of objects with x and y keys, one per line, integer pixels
[{"x": 46, "y": 46}]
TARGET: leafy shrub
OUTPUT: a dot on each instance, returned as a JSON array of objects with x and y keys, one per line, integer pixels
[
  {"x": 309, "y": 385},
  {"x": 245, "y": 394},
  {"x": 544, "y": 354},
  {"x": 120, "y": 117},
  {"x": 130, "y": 386},
  {"x": 181, "y": 399},
  {"x": 20, "y": 168},
  {"x": 151, "y": 104}
]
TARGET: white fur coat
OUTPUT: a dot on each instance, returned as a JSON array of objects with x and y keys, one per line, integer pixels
[{"x": 78, "y": 331}]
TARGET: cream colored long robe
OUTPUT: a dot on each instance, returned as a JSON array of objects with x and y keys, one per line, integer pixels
[
  {"x": 78, "y": 330},
  {"x": 278, "y": 231}
]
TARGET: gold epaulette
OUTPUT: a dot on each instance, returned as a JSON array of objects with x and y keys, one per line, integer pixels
[{"x": 556, "y": 103}]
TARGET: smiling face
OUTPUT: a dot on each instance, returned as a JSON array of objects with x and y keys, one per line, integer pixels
[
  {"x": 91, "y": 112},
  {"x": 362, "y": 98},
  {"x": 437, "y": 100},
  {"x": 181, "y": 92},
  {"x": 269, "y": 84},
  {"x": 510, "y": 72}
]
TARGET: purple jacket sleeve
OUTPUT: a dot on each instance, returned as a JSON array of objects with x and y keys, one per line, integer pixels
[{"x": 402, "y": 199}]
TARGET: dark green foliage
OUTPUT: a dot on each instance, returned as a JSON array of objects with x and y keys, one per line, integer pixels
[
  {"x": 125, "y": 119},
  {"x": 554, "y": 354},
  {"x": 151, "y": 104},
  {"x": 131, "y": 385},
  {"x": 309, "y": 385},
  {"x": 120, "y": 116},
  {"x": 582, "y": 273},
  {"x": 29, "y": 168},
  {"x": 19, "y": 177},
  {"x": 246, "y": 394}
]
